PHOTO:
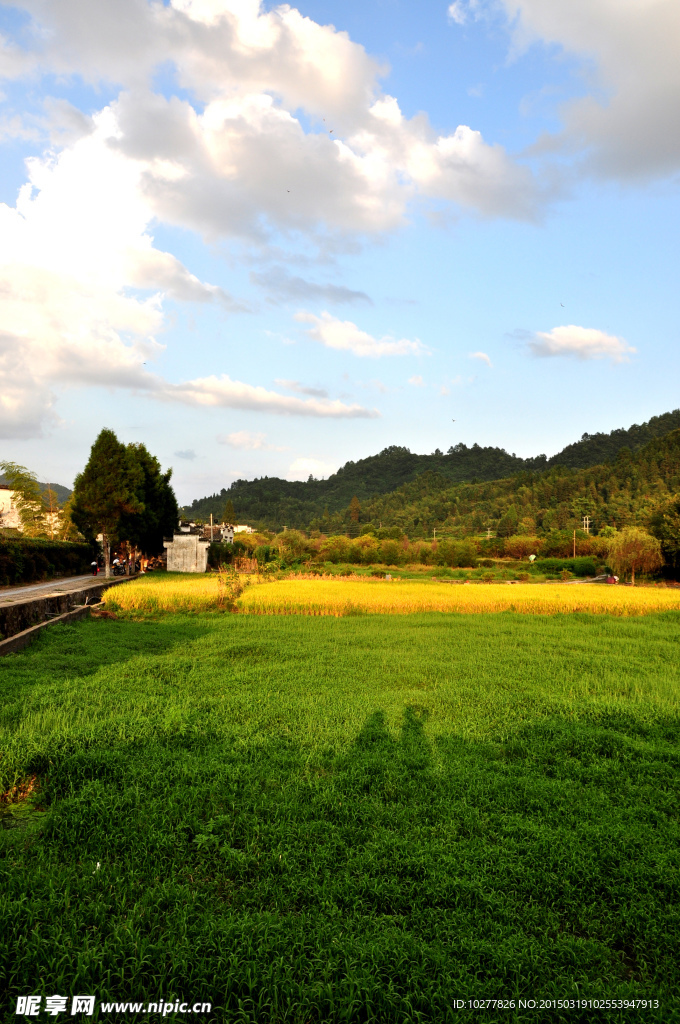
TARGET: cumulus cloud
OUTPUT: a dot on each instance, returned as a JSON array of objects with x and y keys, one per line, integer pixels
[
  {"x": 346, "y": 336},
  {"x": 281, "y": 286},
  {"x": 580, "y": 343},
  {"x": 629, "y": 125},
  {"x": 229, "y": 156},
  {"x": 482, "y": 356},
  {"x": 417, "y": 381},
  {"x": 237, "y": 161}
]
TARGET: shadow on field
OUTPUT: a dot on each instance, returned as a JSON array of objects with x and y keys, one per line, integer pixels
[{"x": 82, "y": 648}]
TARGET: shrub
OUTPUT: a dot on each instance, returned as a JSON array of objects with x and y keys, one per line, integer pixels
[
  {"x": 576, "y": 566},
  {"x": 24, "y": 560},
  {"x": 391, "y": 553}
]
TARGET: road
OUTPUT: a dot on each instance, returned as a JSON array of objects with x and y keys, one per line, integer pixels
[{"x": 14, "y": 595}]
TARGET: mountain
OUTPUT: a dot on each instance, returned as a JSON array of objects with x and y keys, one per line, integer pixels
[{"x": 273, "y": 503}]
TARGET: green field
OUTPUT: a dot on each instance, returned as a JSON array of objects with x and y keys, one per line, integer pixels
[{"x": 310, "y": 820}]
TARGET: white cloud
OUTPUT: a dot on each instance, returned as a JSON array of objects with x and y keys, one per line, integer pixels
[
  {"x": 70, "y": 250},
  {"x": 239, "y": 162},
  {"x": 629, "y": 126},
  {"x": 482, "y": 356},
  {"x": 223, "y": 392},
  {"x": 461, "y": 11},
  {"x": 188, "y": 454},
  {"x": 346, "y": 336},
  {"x": 282, "y": 286},
  {"x": 302, "y": 389},
  {"x": 580, "y": 343},
  {"x": 244, "y": 440},
  {"x": 417, "y": 381},
  {"x": 302, "y": 469}
]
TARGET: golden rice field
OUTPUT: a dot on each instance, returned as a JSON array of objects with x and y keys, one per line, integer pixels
[{"x": 350, "y": 597}]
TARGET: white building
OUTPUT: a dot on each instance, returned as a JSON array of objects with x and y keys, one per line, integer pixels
[
  {"x": 187, "y": 549},
  {"x": 9, "y": 513}
]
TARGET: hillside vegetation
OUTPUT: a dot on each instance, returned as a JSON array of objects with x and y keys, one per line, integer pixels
[
  {"x": 619, "y": 494},
  {"x": 273, "y": 503}
]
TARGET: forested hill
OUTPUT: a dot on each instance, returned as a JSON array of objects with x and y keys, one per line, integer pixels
[
  {"x": 274, "y": 503},
  {"x": 628, "y": 491},
  {"x": 595, "y": 449}
]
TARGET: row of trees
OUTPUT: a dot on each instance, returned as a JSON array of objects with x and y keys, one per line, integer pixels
[
  {"x": 123, "y": 495},
  {"x": 627, "y": 552}
]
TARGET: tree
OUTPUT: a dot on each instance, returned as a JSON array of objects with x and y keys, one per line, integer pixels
[
  {"x": 354, "y": 509},
  {"x": 106, "y": 491},
  {"x": 632, "y": 550},
  {"x": 520, "y": 547},
  {"x": 155, "y": 495},
  {"x": 508, "y": 523},
  {"x": 29, "y": 500},
  {"x": 229, "y": 513},
  {"x": 664, "y": 523}
]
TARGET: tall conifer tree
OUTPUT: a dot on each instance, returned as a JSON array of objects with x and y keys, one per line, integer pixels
[{"x": 106, "y": 491}]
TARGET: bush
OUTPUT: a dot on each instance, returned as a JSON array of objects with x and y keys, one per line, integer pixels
[
  {"x": 576, "y": 566},
  {"x": 391, "y": 553},
  {"x": 457, "y": 553},
  {"x": 24, "y": 560}
]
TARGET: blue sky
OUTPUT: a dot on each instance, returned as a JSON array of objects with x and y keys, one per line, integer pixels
[{"x": 266, "y": 240}]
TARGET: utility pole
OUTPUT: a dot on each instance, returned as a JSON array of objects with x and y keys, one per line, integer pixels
[
  {"x": 434, "y": 532},
  {"x": 488, "y": 533},
  {"x": 211, "y": 528},
  {"x": 574, "y": 543},
  {"x": 586, "y": 524}
]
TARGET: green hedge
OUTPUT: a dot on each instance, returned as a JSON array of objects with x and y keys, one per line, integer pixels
[
  {"x": 23, "y": 560},
  {"x": 578, "y": 566}
]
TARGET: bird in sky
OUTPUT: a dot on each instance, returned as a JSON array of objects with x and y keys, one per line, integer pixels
[{"x": 562, "y": 305}]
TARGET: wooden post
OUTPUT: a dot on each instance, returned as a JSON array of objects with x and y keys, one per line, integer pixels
[{"x": 574, "y": 543}]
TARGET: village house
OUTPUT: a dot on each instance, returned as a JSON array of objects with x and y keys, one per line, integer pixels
[{"x": 9, "y": 513}]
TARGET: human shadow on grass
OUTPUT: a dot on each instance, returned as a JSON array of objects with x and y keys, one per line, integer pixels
[{"x": 410, "y": 870}]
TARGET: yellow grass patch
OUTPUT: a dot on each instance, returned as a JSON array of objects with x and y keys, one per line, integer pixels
[
  {"x": 335, "y": 597},
  {"x": 348, "y": 597}
]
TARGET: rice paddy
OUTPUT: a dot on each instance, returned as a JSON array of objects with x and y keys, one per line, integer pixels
[{"x": 338, "y": 597}]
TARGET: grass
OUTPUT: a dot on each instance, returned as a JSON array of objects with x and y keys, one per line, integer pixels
[
  {"x": 345, "y": 819},
  {"x": 200, "y": 593}
]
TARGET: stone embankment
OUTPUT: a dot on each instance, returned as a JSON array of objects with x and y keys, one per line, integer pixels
[{"x": 21, "y": 618}]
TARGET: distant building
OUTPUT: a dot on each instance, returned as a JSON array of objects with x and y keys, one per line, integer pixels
[
  {"x": 187, "y": 549},
  {"x": 9, "y": 513},
  {"x": 243, "y": 529}
]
